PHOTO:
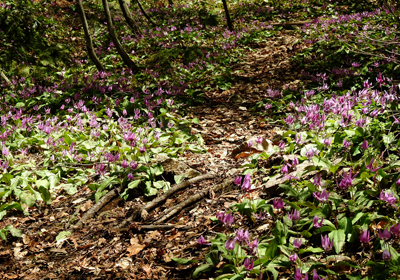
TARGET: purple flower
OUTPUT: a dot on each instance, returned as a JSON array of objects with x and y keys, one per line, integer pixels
[
  {"x": 398, "y": 182},
  {"x": 316, "y": 276},
  {"x": 317, "y": 179},
  {"x": 253, "y": 246},
  {"x": 326, "y": 243},
  {"x": 370, "y": 166},
  {"x": 249, "y": 264},
  {"x": 321, "y": 196},
  {"x": 347, "y": 180},
  {"x": 295, "y": 161},
  {"x": 281, "y": 145},
  {"x": 246, "y": 186},
  {"x": 294, "y": 216},
  {"x": 297, "y": 138},
  {"x": 133, "y": 165},
  {"x": 242, "y": 235},
  {"x": 316, "y": 223},
  {"x": 237, "y": 181},
  {"x": 386, "y": 255},
  {"x": 388, "y": 197},
  {"x": 259, "y": 140},
  {"x": 364, "y": 237},
  {"x": 297, "y": 242},
  {"x": 202, "y": 241},
  {"x": 230, "y": 245},
  {"x": 124, "y": 164},
  {"x": 384, "y": 235},
  {"x": 298, "y": 275},
  {"x": 130, "y": 176},
  {"x": 327, "y": 142},
  {"x": 250, "y": 144},
  {"x": 364, "y": 145},
  {"x": 293, "y": 257},
  {"x": 285, "y": 169},
  {"x": 142, "y": 149},
  {"x": 346, "y": 143},
  {"x": 311, "y": 152},
  {"x": 395, "y": 230},
  {"x": 278, "y": 203},
  {"x": 226, "y": 219}
]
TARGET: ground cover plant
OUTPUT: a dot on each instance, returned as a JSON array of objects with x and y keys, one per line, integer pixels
[{"x": 68, "y": 128}]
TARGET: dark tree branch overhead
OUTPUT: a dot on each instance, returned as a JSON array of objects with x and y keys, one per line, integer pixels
[
  {"x": 125, "y": 57},
  {"x": 88, "y": 39}
]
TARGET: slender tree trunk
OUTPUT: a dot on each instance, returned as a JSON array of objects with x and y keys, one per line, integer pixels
[
  {"x": 143, "y": 12},
  {"x": 228, "y": 18},
  {"x": 125, "y": 57},
  {"x": 129, "y": 20},
  {"x": 88, "y": 39}
]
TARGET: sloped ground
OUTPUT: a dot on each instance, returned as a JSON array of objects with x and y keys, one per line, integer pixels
[{"x": 99, "y": 251}]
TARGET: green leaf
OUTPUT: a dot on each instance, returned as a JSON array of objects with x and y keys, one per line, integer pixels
[
  {"x": 2, "y": 214},
  {"x": 183, "y": 261},
  {"x": 322, "y": 162},
  {"x": 157, "y": 169},
  {"x": 106, "y": 183},
  {"x": 99, "y": 195},
  {"x": 202, "y": 268},
  {"x": 45, "y": 194},
  {"x": 179, "y": 178},
  {"x": 63, "y": 236},
  {"x": 133, "y": 184},
  {"x": 14, "y": 231},
  {"x": 28, "y": 199},
  {"x": 339, "y": 239},
  {"x": 3, "y": 234}
]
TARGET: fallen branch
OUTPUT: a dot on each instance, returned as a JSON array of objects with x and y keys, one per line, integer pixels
[
  {"x": 289, "y": 23},
  {"x": 95, "y": 208},
  {"x": 142, "y": 212},
  {"x": 177, "y": 208},
  {"x": 4, "y": 77},
  {"x": 155, "y": 227}
]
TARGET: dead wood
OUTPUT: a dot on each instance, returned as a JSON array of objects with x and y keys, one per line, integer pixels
[
  {"x": 289, "y": 23},
  {"x": 4, "y": 77},
  {"x": 172, "y": 211},
  {"x": 154, "y": 227},
  {"x": 95, "y": 208},
  {"x": 142, "y": 212}
]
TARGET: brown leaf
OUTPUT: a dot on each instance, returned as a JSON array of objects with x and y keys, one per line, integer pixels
[{"x": 135, "y": 247}]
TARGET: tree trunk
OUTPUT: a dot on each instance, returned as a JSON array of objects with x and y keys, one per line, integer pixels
[
  {"x": 129, "y": 20},
  {"x": 143, "y": 12},
  {"x": 128, "y": 62},
  {"x": 228, "y": 18},
  {"x": 88, "y": 39}
]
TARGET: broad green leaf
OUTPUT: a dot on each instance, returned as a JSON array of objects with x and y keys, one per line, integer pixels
[
  {"x": 2, "y": 214},
  {"x": 28, "y": 199},
  {"x": 322, "y": 162},
  {"x": 133, "y": 184},
  {"x": 45, "y": 194},
  {"x": 183, "y": 261},
  {"x": 99, "y": 195},
  {"x": 63, "y": 236},
  {"x": 14, "y": 231},
  {"x": 202, "y": 268},
  {"x": 339, "y": 239},
  {"x": 3, "y": 234},
  {"x": 106, "y": 183}
]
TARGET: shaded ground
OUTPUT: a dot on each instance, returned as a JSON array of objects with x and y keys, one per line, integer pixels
[{"x": 98, "y": 251}]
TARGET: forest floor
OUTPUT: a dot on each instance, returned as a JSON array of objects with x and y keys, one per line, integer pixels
[{"x": 99, "y": 251}]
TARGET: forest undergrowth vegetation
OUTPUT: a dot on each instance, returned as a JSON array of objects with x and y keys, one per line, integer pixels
[{"x": 65, "y": 125}]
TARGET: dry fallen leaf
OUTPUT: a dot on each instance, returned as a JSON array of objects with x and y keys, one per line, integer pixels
[{"x": 135, "y": 247}]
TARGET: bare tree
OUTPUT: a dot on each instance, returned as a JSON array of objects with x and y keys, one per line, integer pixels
[
  {"x": 88, "y": 39},
  {"x": 228, "y": 18},
  {"x": 129, "y": 20},
  {"x": 146, "y": 15},
  {"x": 125, "y": 57}
]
